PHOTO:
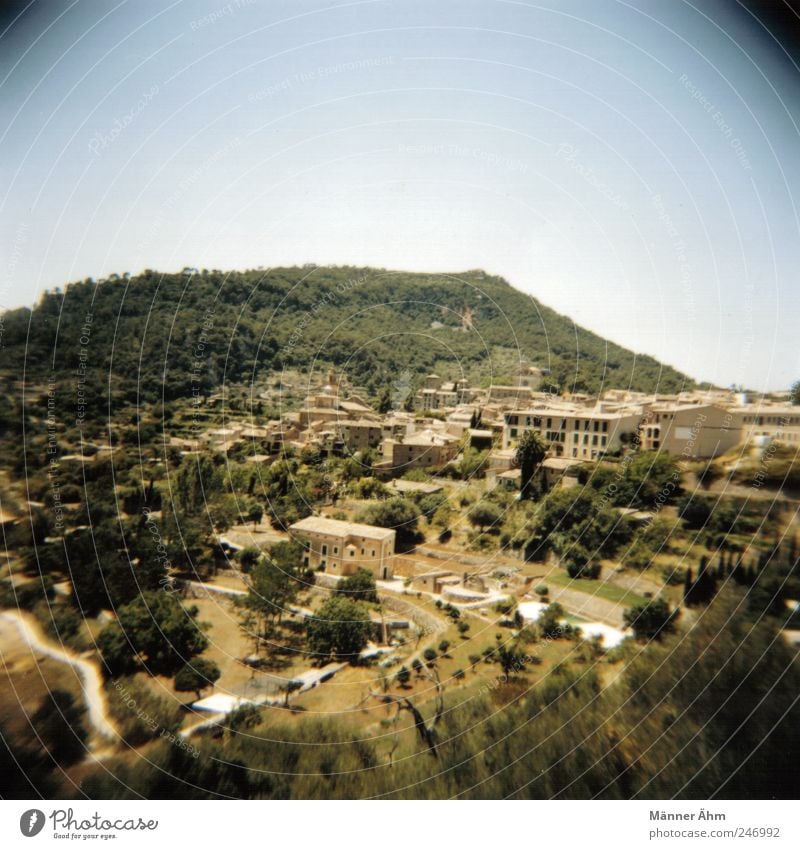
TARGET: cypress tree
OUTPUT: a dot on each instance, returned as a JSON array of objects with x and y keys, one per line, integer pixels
[{"x": 687, "y": 588}]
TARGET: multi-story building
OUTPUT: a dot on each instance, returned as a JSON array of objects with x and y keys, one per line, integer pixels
[
  {"x": 690, "y": 431},
  {"x": 426, "y": 449},
  {"x": 358, "y": 434},
  {"x": 583, "y": 433},
  {"x": 760, "y": 423},
  {"x": 340, "y": 548},
  {"x": 437, "y": 394}
]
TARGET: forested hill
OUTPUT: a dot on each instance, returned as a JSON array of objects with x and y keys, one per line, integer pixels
[{"x": 174, "y": 333}]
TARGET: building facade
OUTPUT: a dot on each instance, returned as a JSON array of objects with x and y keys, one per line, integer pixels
[{"x": 341, "y": 548}]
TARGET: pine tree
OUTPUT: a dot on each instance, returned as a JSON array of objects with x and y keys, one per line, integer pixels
[{"x": 688, "y": 585}]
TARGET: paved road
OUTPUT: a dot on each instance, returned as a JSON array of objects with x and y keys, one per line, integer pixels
[{"x": 90, "y": 677}]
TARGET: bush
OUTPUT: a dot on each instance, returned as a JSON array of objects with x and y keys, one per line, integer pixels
[
  {"x": 542, "y": 589},
  {"x": 650, "y": 620},
  {"x": 578, "y": 569},
  {"x": 138, "y": 713}
]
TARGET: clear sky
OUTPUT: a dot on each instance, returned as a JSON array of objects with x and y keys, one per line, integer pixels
[{"x": 632, "y": 164}]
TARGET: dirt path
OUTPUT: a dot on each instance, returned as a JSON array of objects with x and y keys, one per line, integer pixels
[{"x": 90, "y": 677}]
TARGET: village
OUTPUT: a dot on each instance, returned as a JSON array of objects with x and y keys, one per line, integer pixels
[
  {"x": 439, "y": 590},
  {"x": 471, "y": 570}
]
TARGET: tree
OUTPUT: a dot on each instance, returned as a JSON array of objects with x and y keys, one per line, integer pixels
[
  {"x": 288, "y": 688},
  {"x": 248, "y": 557},
  {"x": 403, "y": 676},
  {"x": 463, "y": 627},
  {"x": 650, "y": 619},
  {"x": 430, "y": 655},
  {"x": 416, "y": 665},
  {"x": 155, "y": 630},
  {"x": 398, "y": 513},
  {"x": 255, "y": 514},
  {"x": 340, "y": 628},
  {"x": 196, "y": 676},
  {"x": 531, "y": 451},
  {"x": 484, "y": 513},
  {"x": 59, "y": 723},
  {"x": 273, "y": 585},
  {"x": 510, "y": 658},
  {"x": 444, "y": 645},
  {"x": 549, "y": 621},
  {"x": 688, "y": 583},
  {"x": 795, "y": 392},
  {"x": 360, "y": 586},
  {"x": 703, "y": 588}
]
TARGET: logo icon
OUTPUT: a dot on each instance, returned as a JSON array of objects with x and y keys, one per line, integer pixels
[{"x": 31, "y": 822}]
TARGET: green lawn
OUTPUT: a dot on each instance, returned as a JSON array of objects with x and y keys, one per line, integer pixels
[{"x": 610, "y": 592}]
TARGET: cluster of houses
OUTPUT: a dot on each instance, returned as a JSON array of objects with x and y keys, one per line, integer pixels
[{"x": 449, "y": 415}]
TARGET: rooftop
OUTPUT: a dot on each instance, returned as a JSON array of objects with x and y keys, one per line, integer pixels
[{"x": 336, "y": 528}]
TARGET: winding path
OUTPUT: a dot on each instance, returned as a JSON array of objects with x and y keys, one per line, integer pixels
[{"x": 90, "y": 677}]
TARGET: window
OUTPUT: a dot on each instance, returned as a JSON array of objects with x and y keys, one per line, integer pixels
[
  {"x": 603, "y": 440},
  {"x": 513, "y": 432},
  {"x": 594, "y": 441},
  {"x": 605, "y": 427},
  {"x": 336, "y": 549},
  {"x": 324, "y": 549},
  {"x": 596, "y": 426},
  {"x": 574, "y": 437},
  {"x": 574, "y": 452},
  {"x": 373, "y": 552},
  {"x": 586, "y": 439}
]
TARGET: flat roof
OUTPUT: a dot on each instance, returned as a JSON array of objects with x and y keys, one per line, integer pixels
[
  {"x": 415, "y": 486},
  {"x": 337, "y": 528}
]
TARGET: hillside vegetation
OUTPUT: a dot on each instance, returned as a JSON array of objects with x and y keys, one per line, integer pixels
[{"x": 178, "y": 333}]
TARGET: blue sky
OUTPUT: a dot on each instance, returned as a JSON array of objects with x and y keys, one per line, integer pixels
[{"x": 633, "y": 165}]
